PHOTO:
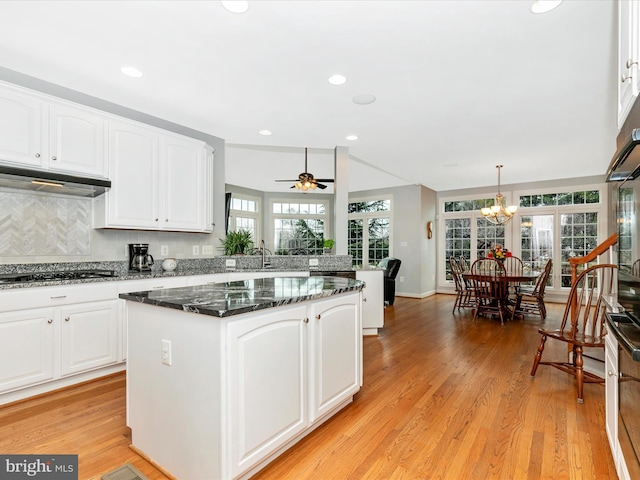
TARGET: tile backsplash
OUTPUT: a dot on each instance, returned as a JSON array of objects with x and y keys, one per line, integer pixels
[
  {"x": 34, "y": 224},
  {"x": 44, "y": 228}
]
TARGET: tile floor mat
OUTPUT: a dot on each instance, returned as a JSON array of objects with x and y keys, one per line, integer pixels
[{"x": 125, "y": 472}]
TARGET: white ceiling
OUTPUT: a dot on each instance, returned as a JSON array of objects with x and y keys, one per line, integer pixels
[{"x": 460, "y": 85}]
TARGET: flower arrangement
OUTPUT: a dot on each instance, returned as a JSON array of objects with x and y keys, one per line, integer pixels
[{"x": 498, "y": 253}]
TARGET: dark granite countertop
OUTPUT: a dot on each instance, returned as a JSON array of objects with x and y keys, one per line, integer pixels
[{"x": 233, "y": 298}]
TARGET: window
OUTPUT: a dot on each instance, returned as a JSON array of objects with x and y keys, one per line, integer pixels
[
  {"x": 369, "y": 231},
  {"x": 298, "y": 228},
  {"x": 457, "y": 241},
  {"x": 244, "y": 214},
  {"x": 556, "y": 224}
]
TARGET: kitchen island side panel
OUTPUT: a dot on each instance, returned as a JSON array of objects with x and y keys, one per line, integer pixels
[{"x": 163, "y": 401}]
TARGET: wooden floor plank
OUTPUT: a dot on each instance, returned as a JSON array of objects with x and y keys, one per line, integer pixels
[{"x": 444, "y": 397}]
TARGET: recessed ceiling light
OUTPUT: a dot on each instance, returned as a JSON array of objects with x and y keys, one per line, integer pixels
[
  {"x": 236, "y": 6},
  {"x": 265, "y": 132},
  {"x": 544, "y": 6},
  {"x": 337, "y": 79},
  {"x": 131, "y": 72},
  {"x": 351, "y": 137},
  {"x": 364, "y": 99}
]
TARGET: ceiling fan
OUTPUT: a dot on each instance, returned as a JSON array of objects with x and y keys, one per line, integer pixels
[{"x": 306, "y": 181}]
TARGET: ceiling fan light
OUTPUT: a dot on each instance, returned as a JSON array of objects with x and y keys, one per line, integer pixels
[{"x": 485, "y": 211}]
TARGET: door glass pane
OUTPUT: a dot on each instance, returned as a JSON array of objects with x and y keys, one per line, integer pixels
[
  {"x": 355, "y": 241},
  {"x": 578, "y": 236},
  {"x": 488, "y": 236},
  {"x": 457, "y": 241},
  {"x": 536, "y": 244},
  {"x": 378, "y": 239}
]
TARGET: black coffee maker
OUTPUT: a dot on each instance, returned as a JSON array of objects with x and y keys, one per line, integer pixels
[{"x": 139, "y": 258}]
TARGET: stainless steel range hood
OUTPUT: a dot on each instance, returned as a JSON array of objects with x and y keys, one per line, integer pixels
[{"x": 52, "y": 182}]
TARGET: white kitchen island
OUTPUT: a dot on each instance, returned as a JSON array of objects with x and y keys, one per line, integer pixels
[{"x": 222, "y": 378}]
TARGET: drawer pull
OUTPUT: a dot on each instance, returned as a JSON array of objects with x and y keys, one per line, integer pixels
[
  {"x": 318, "y": 317},
  {"x": 66, "y": 319},
  {"x": 49, "y": 321},
  {"x": 58, "y": 296}
]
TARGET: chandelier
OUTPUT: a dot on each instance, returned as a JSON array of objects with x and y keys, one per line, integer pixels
[{"x": 498, "y": 214}]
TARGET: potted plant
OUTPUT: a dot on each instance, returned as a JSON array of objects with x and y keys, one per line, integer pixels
[
  {"x": 328, "y": 245},
  {"x": 238, "y": 242}
]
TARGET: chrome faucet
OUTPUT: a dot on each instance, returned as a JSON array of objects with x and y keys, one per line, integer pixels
[{"x": 265, "y": 263}]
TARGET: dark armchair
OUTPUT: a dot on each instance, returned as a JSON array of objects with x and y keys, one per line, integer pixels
[{"x": 391, "y": 267}]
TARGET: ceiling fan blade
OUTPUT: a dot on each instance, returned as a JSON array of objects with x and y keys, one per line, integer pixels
[
  {"x": 325, "y": 180},
  {"x": 286, "y": 180},
  {"x": 321, "y": 186}
]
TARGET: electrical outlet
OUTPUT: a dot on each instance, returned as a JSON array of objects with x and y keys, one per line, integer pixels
[
  {"x": 207, "y": 249},
  {"x": 401, "y": 279},
  {"x": 196, "y": 250},
  {"x": 164, "y": 250},
  {"x": 166, "y": 352},
  {"x": 230, "y": 263},
  {"x": 313, "y": 262}
]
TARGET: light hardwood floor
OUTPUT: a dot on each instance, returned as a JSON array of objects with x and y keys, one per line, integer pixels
[{"x": 443, "y": 398}]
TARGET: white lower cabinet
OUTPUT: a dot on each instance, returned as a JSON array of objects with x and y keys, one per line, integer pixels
[
  {"x": 268, "y": 384},
  {"x": 89, "y": 336},
  {"x": 27, "y": 353},
  {"x": 335, "y": 353},
  {"x": 74, "y": 330},
  {"x": 372, "y": 300}
]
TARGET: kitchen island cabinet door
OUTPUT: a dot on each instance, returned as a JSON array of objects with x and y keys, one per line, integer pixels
[
  {"x": 26, "y": 356},
  {"x": 267, "y": 384},
  {"x": 336, "y": 343},
  {"x": 89, "y": 336}
]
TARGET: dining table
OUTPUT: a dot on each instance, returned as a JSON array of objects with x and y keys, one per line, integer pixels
[{"x": 512, "y": 279}]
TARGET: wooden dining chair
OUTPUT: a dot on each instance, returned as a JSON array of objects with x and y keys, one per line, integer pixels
[
  {"x": 583, "y": 324},
  {"x": 464, "y": 266},
  {"x": 530, "y": 299},
  {"x": 490, "y": 288},
  {"x": 513, "y": 266},
  {"x": 464, "y": 291}
]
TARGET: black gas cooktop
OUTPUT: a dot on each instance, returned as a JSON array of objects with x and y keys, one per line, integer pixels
[{"x": 56, "y": 275}]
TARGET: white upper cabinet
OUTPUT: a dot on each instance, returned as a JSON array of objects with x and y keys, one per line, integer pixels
[
  {"x": 76, "y": 140},
  {"x": 20, "y": 128},
  {"x": 132, "y": 201},
  {"x": 159, "y": 181},
  {"x": 183, "y": 179},
  {"x": 628, "y": 56},
  {"x": 53, "y": 135}
]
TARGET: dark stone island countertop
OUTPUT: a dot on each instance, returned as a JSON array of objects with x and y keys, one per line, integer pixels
[{"x": 234, "y": 298}]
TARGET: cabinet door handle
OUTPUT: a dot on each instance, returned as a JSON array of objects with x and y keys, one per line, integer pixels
[
  {"x": 624, "y": 78},
  {"x": 364, "y": 299},
  {"x": 58, "y": 296},
  {"x": 166, "y": 219},
  {"x": 66, "y": 319},
  {"x": 631, "y": 63},
  {"x": 156, "y": 220},
  {"x": 50, "y": 321},
  {"x": 610, "y": 373},
  {"x": 318, "y": 317},
  {"x": 305, "y": 320},
  {"x": 54, "y": 158},
  {"x": 37, "y": 155}
]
